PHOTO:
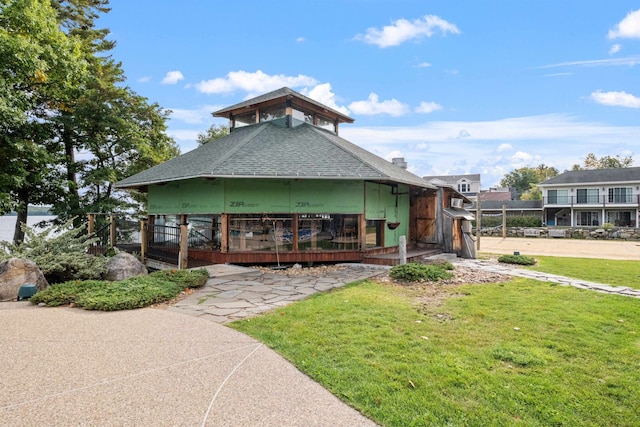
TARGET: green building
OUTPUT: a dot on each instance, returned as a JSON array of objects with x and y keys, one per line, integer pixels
[{"x": 283, "y": 186}]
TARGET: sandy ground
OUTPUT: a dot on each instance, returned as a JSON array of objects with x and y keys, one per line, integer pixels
[{"x": 604, "y": 249}]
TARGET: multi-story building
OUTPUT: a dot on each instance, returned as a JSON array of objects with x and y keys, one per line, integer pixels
[{"x": 592, "y": 198}]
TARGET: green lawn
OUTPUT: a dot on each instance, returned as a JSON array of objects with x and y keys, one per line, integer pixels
[
  {"x": 617, "y": 273},
  {"x": 517, "y": 353}
]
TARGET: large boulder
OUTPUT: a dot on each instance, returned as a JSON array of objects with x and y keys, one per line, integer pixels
[
  {"x": 16, "y": 272},
  {"x": 124, "y": 265}
]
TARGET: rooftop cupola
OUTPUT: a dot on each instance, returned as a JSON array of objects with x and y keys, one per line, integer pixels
[{"x": 283, "y": 107}]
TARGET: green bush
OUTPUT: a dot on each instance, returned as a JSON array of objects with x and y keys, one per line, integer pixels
[
  {"x": 607, "y": 226},
  {"x": 512, "y": 221},
  {"x": 135, "y": 292},
  {"x": 62, "y": 257},
  {"x": 416, "y": 272},
  {"x": 188, "y": 278},
  {"x": 517, "y": 259}
]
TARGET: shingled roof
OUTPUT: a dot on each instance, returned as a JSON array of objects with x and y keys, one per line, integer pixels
[
  {"x": 269, "y": 150},
  {"x": 595, "y": 176}
]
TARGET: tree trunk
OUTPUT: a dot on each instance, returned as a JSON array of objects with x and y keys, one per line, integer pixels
[
  {"x": 22, "y": 211},
  {"x": 72, "y": 182}
]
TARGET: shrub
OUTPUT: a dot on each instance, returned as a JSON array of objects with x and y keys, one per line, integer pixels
[
  {"x": 415, "y": 272},
  {"x": 188, "y": 278},
  {"x": 607, "y": 226},
  {"x": 135, "y": 292},
  {"x": 60, "y": 252},
  {"x": 517, "y": 259},
  {"x": 512, "y": 221}
]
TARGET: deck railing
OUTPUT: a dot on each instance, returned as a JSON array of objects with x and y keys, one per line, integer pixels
[{"x": 588, "y": 200}]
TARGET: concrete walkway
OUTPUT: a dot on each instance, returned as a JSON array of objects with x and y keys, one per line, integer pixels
[{"x": 149, "y": 367}]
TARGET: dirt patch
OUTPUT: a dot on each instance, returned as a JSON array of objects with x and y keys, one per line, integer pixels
[
  {"x": 430, "y": 296},
  {"x": 317, "y": 271}
]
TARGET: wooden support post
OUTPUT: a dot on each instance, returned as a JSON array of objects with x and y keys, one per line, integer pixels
[
  {"x": 92, "y": 223},
  {"x": 504, "y": 221},
  {"x": 112, "y": 231},
  {"x": 362, "y": 232},
  {"x": 183, "y": 258},
  {"x": 295, "y": 236},
  {"x": 143, "y": 240},
  {"x": 224, "y": 233}
]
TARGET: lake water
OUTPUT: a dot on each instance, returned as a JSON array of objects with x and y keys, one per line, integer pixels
[{"x": 8, "y": 224}]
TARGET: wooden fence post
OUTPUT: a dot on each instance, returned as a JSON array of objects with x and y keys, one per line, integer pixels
[
  {"x": 504, "y": 221},
  {"x": 478, "y": 221},
  {"x": 112, "y": 230},
  {"x": 183, "y": 258}
]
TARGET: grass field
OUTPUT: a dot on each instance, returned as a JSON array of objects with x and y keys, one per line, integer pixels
[
  {"x": 522, "y": 352},
  {"x": 617, "y": 273}
]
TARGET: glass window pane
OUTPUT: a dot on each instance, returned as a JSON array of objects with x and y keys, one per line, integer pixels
[
  {"x": 245, "y": 119},
  {"x": 326, "y": 123},
  {"x": 252, "y": 232},
  {"x": 272, "y": 113}
]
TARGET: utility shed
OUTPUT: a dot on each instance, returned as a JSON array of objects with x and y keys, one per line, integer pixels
[{"x": 283, "y": 186}]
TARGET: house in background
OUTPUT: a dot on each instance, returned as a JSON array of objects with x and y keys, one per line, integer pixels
[
  {"x": 467, "y": 185},
  {"x": 592, "y": 197},
  {"x": 284, "y": 187},
  {"x": 501, "y": 194}
]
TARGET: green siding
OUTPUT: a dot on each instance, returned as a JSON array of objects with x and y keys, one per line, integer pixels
[
  {"x": 257, "y": 196},
  {"x": 382, "y": 203},
  {"x": 187, "y": 197}
]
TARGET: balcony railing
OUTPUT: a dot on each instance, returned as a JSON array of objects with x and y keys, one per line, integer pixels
[{"x": 603, "y": 200}]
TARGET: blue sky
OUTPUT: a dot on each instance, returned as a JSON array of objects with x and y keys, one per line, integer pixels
[{"x": 454, "y": 87}]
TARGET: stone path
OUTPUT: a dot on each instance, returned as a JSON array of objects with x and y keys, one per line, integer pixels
[
  {"x": 495, "y": 267},
  {"x": 234, "y": 292}
]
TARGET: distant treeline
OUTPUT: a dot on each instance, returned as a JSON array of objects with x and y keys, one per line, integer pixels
[{"x": 35, "y": 211}]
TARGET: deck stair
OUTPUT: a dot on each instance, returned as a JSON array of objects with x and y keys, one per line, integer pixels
[{"x": 393, "y": 258}]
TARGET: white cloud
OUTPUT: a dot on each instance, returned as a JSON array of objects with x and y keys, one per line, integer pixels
[
  {"x": 423, "y": 65},
  {"x": 504, "y": 147},
  {"x": 183, "y": 134},
  {"x": 324, "y": 95},
  {"x": 144, "y": 79},
  {"x": 556, "y": 140},
  {"x": 428, "y": 107},
  {"x": 558, "y": 74},
  {"x": 628, "y": 28},
  {"x": 404, "y": 30},
  {"x": 616, "y": 99},
  {"x": 393, "y": 155},
  {"x": 615, "y": 49},
  {"x": 197, "y": 116},
  {"x": 300, "y": 39},
  {"x": 253, "y": 83},
  {"x": 522, "y": 158},
  {"x": 172, "y": 78},
  {"x": 611, "y": 62},
  {"x": 372, "y": 106}
]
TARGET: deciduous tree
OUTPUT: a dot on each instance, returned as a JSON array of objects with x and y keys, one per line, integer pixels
[
  {"x": 605, "y": 162},
  {"x": 213, "y": 133},
  {"x": 522, "y": 179}
]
